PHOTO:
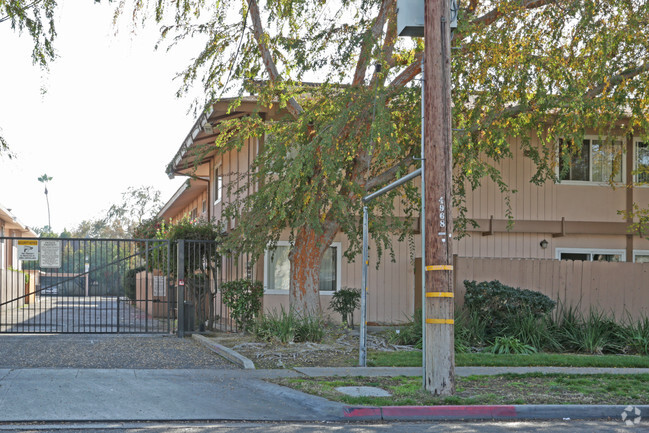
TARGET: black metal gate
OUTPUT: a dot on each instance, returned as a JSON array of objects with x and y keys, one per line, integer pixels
[{"x": 62, "y": 285}]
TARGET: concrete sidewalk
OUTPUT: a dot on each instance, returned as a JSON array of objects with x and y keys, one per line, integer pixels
[{"x": 84, "y": 395}]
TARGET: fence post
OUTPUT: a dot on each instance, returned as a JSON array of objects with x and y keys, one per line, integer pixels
[{"x": 180, "y": 287}]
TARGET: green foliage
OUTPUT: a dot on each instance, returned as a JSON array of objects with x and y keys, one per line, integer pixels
[
  {"x": 138, "y": 205},
  {"x": 130, "y": 281},
  {"x": 595, "y": 333},
  {"x": 286, "y": 327},
  {"x": 534, "y": 331},
  {"x": 345, "y": 301},
  {"x": 635, "y": 333},
  {"x": 185, "y": 229},
  {"x": 409, "y": 334},
  {"x": 469, "y": 330},
  {"x": 148, "y": 228},
  {"x": 639, "y": 218},
  {"x": 511, "y": 345},
  {"x": 500, "y": 304},
  {"x": 243, "y": 298}
]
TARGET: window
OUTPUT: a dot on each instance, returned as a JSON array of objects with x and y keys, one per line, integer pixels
[
  {"x": 193, "y": 214},
  {"x": 641, "y": 257},
  {"x": 596, "y": 161},
  {"x": 218, "y": 185},
  {"x": 642, "y": 162},
  {"x": 591, "y": 255},
  {"x": 204, "y": 206},
  {"x": 277, "y": 270}
]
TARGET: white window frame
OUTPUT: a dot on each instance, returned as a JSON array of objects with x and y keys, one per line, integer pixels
[
  {"x": 639, "y": 253},
  {"x": 218, "y": 186},
  {"x": 590, "y": 164},
  {"x": 267, "y": 256},
  {"x": 636, "y": 142},
  {"x": 558, "y": 251}
]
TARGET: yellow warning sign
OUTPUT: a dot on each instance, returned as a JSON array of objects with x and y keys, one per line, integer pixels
[
  {"x": 27, "y": 242},
  {"x": 27, "y": 249}
]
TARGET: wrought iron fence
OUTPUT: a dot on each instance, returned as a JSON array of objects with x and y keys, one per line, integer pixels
[{"x": 63, "y": 285}]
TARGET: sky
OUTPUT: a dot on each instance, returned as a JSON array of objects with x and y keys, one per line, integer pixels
[{"x": 108, "y": 118}]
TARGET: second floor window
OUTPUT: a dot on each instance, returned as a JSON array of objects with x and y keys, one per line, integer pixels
[{"x": 596, "y": 161}]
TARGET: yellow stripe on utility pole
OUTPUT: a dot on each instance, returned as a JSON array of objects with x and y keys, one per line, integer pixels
[
  {"x": 439, "y": 294},
  {"x": 439, "y": 268},
  {"x": 440, "y": 321}
]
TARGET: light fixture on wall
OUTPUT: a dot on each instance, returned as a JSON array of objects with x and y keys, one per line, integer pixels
[{"x": 544, "y": 244}]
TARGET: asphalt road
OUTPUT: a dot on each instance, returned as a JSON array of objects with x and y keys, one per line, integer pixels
[{"x": 273, "y": 427}]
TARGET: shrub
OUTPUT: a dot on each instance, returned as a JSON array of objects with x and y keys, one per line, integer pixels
[
  {"x": 469, "y": 330},
  {"x": 288, "y": 327},
  {"x": 243, "y": 298},
  {"x": 503, "y": 345},
  {"x": 537, "y": 332},
  {"x": 345, "y": 301},
  {"x": 635, "y": 334},
  {"x": 130, "y": 281},
  {"x": 597, "y": 333},
  {"x": 500, "y": 304},
  {"x": 409, "y": 334}
]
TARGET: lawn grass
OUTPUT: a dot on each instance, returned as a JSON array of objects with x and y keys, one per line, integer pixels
[
  {"x": 505, "y": 389},
  {"x": 413, "y": 359}
]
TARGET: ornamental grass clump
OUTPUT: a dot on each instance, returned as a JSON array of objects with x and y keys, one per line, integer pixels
[
  {"x": 286, "y": 327},
  {"x": 345, "y": 301}
]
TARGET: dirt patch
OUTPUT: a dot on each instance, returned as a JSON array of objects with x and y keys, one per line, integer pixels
[{"x": 339, "y": 348}]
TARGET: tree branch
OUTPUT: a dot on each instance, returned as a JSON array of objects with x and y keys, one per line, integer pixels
[
  {"x": 617, "y": 79},
  {"x": 366, "y": 50},
  {"x": 491, "y": 16},
  {"x": 406, "y": 75},
  {"x": 389, "y": 174},
  {"x": 293, "y": 107}
]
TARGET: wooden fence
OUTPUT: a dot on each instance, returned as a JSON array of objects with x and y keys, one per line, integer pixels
[{"x": 618, "y": 288}]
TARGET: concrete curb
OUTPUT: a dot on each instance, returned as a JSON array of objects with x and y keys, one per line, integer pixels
[
  {"x": 225, "y": 352},
  {"x": 513, "y": 412}
]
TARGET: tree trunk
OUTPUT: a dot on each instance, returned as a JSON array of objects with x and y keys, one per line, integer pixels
[{"x": 306, "y": 259}]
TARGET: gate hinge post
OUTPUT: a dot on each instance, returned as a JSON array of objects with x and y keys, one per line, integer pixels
[{"x": 180, "y": 288}]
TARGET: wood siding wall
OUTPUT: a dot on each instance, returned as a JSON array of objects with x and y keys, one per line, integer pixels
[
  {"x": 197, "y": 204},
  {"x": 577, "y": 202},
  {"x": 620, "y": 288}
]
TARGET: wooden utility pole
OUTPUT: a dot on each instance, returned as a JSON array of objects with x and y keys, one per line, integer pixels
[{"x": 438, "y": 257}]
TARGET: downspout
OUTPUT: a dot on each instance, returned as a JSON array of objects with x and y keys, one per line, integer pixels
[{"x": 630, "y": 153}]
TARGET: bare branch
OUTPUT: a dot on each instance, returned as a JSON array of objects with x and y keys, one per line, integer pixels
[
  {"x": 366, "y": 50},
  {"x": 293, "y": 107}
]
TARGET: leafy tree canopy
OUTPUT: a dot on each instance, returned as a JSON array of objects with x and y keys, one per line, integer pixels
[{"x": 546, "y": 69}]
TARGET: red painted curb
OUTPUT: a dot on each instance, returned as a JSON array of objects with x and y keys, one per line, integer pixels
[
  {"x": 405, "y": 412},
  {"x": 361, "y": 412},
  {"x": 450, "y": 411}
]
